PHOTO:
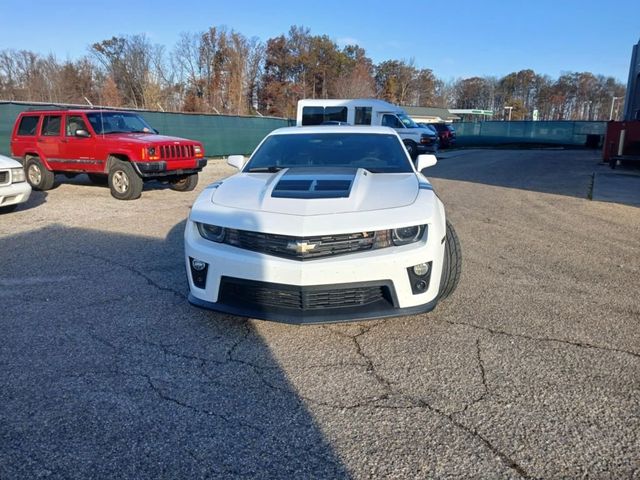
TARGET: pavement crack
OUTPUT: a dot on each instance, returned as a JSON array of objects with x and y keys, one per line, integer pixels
[
  {"x": 234, "y": 347},
  {"x": 483, "y": 378},
  {"x": 506, "y": 459},
  {"x": 494, "y": 331},
  {"x": 133, "y": 270},
  {"x": 162, "y": 395}
]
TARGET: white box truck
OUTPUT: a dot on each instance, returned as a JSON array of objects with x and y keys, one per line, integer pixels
[{"x": 368, "y": 111}]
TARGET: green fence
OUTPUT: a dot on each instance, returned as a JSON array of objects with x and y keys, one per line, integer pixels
[
  {"x": 565, "y": 133},
  {"x": 220, "y": 134},
  {"x": 226, "y": 135}
]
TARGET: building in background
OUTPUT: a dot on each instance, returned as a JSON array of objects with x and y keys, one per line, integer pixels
[
  {"x": 472, "y": 114},
  {"x": 430, "y": 114}
]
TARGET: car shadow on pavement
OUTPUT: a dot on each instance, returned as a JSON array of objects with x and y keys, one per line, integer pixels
[
  {"x": 108, "y": 372},
  {"x": 82, "y": 179},
  {"x": 555, "y": 171},
  {"x": 36, "y": 199}
]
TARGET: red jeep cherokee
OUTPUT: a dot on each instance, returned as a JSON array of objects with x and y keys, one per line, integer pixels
[{"x": 118, "y": 148}]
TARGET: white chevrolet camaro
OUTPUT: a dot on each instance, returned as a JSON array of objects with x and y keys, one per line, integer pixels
[{"x": 322, "y": 224}]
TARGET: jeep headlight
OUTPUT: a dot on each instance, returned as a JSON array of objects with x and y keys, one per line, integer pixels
[
  {"x": 17, "y": 175},
  {"x": 213, "y": 233},
  {"x": 152, "y": 151},
  {"x": 197, "y": 149}
]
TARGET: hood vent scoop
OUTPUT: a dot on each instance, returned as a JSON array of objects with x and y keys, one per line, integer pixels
[{"x": 314, "y": 184}]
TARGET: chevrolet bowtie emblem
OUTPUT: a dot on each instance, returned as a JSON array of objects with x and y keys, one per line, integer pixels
[{"x": 301, "y": 247}]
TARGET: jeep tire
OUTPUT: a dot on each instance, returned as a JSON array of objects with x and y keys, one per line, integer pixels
[
  {"x": 185, "y": 184},
  {"x": 37, "y": 175},
  {"x": 124, "y": 181},
  {"x": 452, "y": 264}
]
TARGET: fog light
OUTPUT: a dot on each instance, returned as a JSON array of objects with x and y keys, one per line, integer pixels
[
  {"x": 421, "y": 269},
  {"x": 420, "y": 285},
  {"x": 199, "y": 265}
]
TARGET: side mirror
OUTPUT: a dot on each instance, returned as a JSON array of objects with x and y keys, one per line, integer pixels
[
  {"x": 237, "y": 161},
  {"x": 424, "y": 161},
  {"x": 82, "y": 133}
]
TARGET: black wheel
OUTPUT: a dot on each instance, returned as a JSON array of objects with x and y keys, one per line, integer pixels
[
  {"x": 186, "y": 183},
  {"x": 452, "y": 266},
  {"x": 412, "y": 150},
  {"x": 124, "y": 181},
  {"x": 37, "y": 175},
  {"x": 8, "y": 208},
  {"x": 98, "y": 179}
]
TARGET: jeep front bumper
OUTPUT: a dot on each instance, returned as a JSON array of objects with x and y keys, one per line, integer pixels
[{"x": 169, "y": 168}]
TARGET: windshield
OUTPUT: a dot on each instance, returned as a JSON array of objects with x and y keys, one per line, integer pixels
[
  {"x": 374, "y": 152},
  {"x": 408, "y": 122},
  {"x": 118, "y": 122}
]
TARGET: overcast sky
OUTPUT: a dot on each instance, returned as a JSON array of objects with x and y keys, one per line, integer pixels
[{"x": 455, "y": 39}]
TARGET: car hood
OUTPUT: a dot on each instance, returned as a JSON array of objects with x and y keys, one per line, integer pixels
[
  {"x": 6, "y": 162},
  {"x": 146, "y": 138},
  {"x": 299, "y": 191}
]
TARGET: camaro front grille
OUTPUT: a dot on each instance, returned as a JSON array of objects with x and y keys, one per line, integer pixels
[
  {"x": 300, "y": 248},
  {"x": 260, "y": 295}
]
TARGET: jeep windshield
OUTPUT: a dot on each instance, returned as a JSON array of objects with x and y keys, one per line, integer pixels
[
  {"x": 104, "y": 123},
  {"x": 377, "y": 153}
]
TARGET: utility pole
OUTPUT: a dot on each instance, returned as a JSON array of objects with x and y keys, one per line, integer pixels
[
  {"x": 509, "y": 108},
  {"x": 613, "y": 100},
  {"x": 586, "y": 108}
]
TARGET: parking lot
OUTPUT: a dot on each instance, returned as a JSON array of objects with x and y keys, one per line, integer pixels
[{"x": 530, "y": 370}]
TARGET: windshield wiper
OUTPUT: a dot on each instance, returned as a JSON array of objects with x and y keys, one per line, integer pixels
[{"x": 271, "y": 169}]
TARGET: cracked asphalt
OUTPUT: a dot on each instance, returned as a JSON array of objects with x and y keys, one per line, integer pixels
[{"x": 530, "y": 370}]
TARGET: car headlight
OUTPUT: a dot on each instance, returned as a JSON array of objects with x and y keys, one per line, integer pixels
[
  {"x": 407, "y": 235},
  {"x": 17, "y": 175},
  {"x": 399, "y": 236},
  {"x": 197, "y": 149},
  {"x": 211, "y": 232},
  {"x": 152, "y": 151}
]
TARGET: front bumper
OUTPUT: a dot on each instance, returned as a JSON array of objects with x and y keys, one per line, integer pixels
[
  {"x": 14, "y": 193},
  {"x": 356, "y": 286},
  {"x": 169, "y": 168},
  {"x": 430, "y": 148}
]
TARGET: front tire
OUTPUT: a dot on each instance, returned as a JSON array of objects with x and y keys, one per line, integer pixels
[
  {"x": 37, "y": 175},
  {"x": 186, "y": 183},
  {"x": 452, "y": 265},
  {"x": 124, "y": 181},
  {"x": 412, "y": 149}
]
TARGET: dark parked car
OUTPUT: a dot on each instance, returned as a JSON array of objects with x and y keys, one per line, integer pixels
[{"x": 446, "y": 133}]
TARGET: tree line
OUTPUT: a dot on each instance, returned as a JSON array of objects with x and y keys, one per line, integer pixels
[{"x": 223, "y": 71}]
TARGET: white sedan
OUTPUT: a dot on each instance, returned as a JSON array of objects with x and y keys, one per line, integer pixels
[
  {"x": 13, "y": 187},
  {"x": 322, "y": 224}
]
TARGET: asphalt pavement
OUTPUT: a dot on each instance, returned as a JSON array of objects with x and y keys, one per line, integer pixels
[{"x": 530, "y": 370}]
